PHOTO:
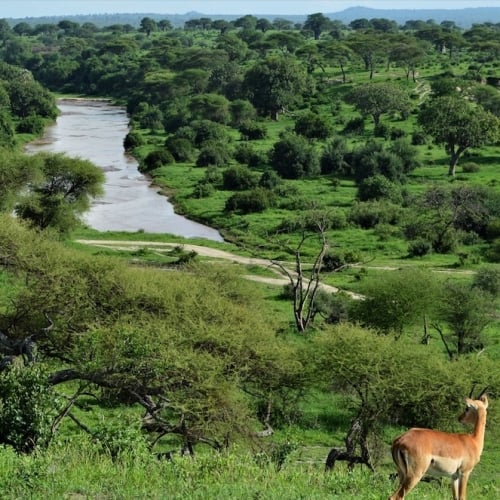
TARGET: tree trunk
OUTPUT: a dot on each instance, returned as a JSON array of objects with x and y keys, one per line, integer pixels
[
  {"x": 455, "y": 156},
  {"x": 343, "y": 73}
]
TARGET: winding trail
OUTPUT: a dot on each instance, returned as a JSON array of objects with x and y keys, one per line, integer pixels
[{"x": 214, "y": 253}]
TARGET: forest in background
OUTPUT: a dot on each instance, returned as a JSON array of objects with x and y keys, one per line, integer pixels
[{"x": 319, "y": 146}]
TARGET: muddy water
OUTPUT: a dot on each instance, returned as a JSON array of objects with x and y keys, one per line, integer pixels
[{"x": 94, "y": 130}]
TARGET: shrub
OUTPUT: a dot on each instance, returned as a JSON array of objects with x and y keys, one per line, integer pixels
[
  {"x": 294, "y": 158},
  {"x": 470, "y": 168},
  {"x": 333, "y": 261},
  {"x": 213, "y": 153},
  {"x": 378, "y": 187},
  {"x": 256, "y": 200},
  {"x": 370, "y": 213},
  {"x": 238, "y": 178},
  {"x": 208, "y": 131},
  {"x": 372, "y": 159},
  {"x": 203, "y": 190},
  {"x": 180, "y": 148},
  {"x": 157, "y": 159},
  {"x": 356, "y": 126},
  {"x": 313, "y": 126},
  {"x": 381, "y": 130},
  {"x": 132, "y": 140},
  {"x": 419, "y": 138},
  {"x": 493, "y": 229},
  {"x": 32, "y": 124},
  {"x": 397, "y": 133},
  {"x": 246, "y": 154},
  {"x": 270, "y": 180},
  {"x": 27, "y": 406},
  {"x": 252, "y": 131},
  {"x": 488, "y": 280},
  {"x": 419, "y": 248},
  {"x": 333, "y": 158}
]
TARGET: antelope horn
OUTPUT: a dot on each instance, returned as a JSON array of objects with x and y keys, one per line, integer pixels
[
  {"x": 483, "y": 392},
  {"x": 472, "y": 391}
]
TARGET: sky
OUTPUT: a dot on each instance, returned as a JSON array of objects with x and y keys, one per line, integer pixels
[{"x": 39, "y": 8}]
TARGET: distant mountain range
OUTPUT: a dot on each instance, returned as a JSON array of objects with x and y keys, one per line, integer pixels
[{"x": 462, "y": 17}]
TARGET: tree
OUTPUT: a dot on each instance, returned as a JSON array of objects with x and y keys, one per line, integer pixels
[
  {"x": 275, "y": 84},
  {"x": 407, "y": 55},
  {"x": 212, "y": 107},
  {"x": 337, "y": 53},
  {"x": 467, "y": 311},
  {"x": 396, "y": 302},
  {"x": 293, "y": 157},
  {"x": 17, "y": 171},
  {"x": 305, "y": 285},
  {"x": 148, "y": 25},
  {"x": 317, "y": 23},
  {"x": 313, "y": 126},
  {"x": 63, "y": 194},
  {"x": 376, "y": 99},
  {"x": 189, "y": 349},
  {"x": 370, "y": 46},
  {"x": 458, "y": 125}
]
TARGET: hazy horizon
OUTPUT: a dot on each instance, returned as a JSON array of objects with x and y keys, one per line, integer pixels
[{"x": 41, "y": 8}]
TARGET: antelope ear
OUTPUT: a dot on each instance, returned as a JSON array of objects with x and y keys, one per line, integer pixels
[
  {"x": 484, "y": 399},
  {"x": 470, "y": 403}
]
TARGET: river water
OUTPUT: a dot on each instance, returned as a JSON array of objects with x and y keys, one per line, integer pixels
[{"x": 94, "y": 130}]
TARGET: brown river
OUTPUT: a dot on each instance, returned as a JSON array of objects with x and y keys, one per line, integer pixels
[{"x": 94, "y": 130}]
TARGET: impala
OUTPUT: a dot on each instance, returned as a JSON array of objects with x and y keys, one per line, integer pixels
[{"x": 426, "y": 451}]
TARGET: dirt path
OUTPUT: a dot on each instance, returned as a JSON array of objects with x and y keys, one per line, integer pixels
[{"x": 214, "y": 253}]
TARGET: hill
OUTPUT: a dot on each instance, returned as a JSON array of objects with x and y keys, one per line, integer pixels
[{"x": 462, "y": 17}]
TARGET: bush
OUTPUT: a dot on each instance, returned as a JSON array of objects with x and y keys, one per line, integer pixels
[
  {"x": 313, "y": 126},
  {"x": 246, "y": 154},
  {"x": 252, "y": 131},
  {"x": 132, "y": 140},
  {"x": 379, "y": 187},
  {"x": 27, "y": 406},
  {"x": 470, "y": 168},
  {"x": 270, "y": 180},
  {"x": 370, "y": 213},
  {"x": 294, "y": 158},
  {"x": 382, "y": 130},
  {"x": 419, "y": 248},
  {"x": 213, "y": 153},
  {"x": 488, "y": 280},
  {"x": 209, "y": 131},
  {"x": 180, "y": 148},
  {"x": 419, "y": 138},
  {"x": 256, "y": 200},
  {"x": 157, "y": 159},
  {"x": 372, "y": 159},
  {"x": 333, "y": 261},
  {"x": 32, "y": 124},
  {"x": 356, "y": 126},
  {"x": 238, "y": 178},
  {"x": 333, "y": 158},
  {"x": 397, "y": 133},
  {"x": 203, "y": 190}
]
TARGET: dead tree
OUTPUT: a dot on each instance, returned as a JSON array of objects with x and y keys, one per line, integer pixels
[
  {"x": 305, "y": 285},
  {"x": 357, "y": 436}
]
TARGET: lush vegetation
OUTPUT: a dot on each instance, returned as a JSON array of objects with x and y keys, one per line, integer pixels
[{"x": 363, "y": 156}]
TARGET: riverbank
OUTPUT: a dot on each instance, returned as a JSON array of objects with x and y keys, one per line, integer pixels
[{"x": 94, "y": 129}]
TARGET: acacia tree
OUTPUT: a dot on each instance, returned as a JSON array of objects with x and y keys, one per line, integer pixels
[
  {"x": 275, "y": 84},
  {"x": 62, "y": 194},
  {"x": 378, "y": 98},
  {"x": 317, "y": 23},
  {"x": 459, "y": 125}
]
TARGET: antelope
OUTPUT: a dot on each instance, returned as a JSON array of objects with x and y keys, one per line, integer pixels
[{"x": 426, "y": 451}]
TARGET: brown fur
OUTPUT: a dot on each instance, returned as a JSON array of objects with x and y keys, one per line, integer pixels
[{"x": 421, "y": 451}]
